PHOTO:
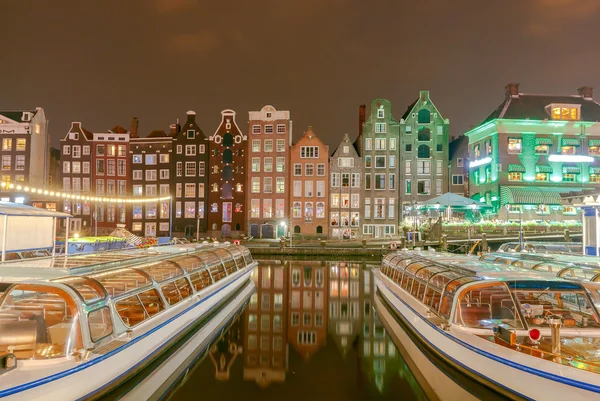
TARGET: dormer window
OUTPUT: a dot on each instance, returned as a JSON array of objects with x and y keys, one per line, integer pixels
[
  {"x": 380, "y": 112},
  {"x": 568, "y": 112}
]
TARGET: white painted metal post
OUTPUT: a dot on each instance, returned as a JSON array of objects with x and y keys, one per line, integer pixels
[
  {"x": 67, "y": 236},
  {"x": 53, "y": 236},
  {"x": 4, "y": 238}
]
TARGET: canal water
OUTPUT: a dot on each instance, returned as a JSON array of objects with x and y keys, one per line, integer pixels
[{"x": 317, "y": 330}]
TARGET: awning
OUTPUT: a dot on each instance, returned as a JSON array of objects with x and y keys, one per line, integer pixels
[
  {"x": 594, "y": 142},
  {"x": 543, "y": 168},
  {"x": 594, "y": 170},
  {"x": 516, "y": 168},
  {"x": 571, "y": 170},
  {"x": 543, "y": 141},
  {"x": 529, "y": 196},
  {"x": 570, "y": 142}
]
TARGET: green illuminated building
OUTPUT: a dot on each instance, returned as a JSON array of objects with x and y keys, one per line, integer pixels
[{"x": 534, "y": 148}]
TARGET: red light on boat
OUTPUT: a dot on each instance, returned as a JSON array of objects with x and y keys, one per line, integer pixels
[{"x": 535, "y": 334}]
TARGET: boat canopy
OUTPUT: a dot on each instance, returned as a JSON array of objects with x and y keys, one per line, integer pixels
[{"x": 62, "y": 316}]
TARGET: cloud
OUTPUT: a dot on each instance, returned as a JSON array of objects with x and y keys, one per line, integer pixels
[
  {"x": 171, "y": 6},
  {"x": 550, "y": 16},
  {"x": 192, "y": 42}
]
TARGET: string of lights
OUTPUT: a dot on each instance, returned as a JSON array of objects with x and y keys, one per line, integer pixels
[{"x": 66, "y": 195}]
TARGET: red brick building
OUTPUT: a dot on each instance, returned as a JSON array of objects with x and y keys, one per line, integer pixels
[{"x": 226, "y": 198}]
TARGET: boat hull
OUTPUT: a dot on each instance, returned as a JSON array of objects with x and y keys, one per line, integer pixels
[
  {"x": 515, "y": 375},
  {"x": 101, "y": 374}
]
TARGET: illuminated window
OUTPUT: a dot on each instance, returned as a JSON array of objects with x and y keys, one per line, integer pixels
[
  {"x": 380, "y": 112},
  {"x": 515, "y": 145},
  {"x": 594, "y": 177},
  {"x": 569, "y": 178},
  {"x": 477, "y": 151},
  {"x": 541, "y": 177},
  {"x": 7, "y": 144},
  {"x": 515, "y": 176},
  {"x": 569, "y": 210},
  {"x": 542, "y": 209},
  {"x": 542, "y": 149},
  {"x": 565, "y": 113},
  {"x": 595, "y": 150},
  {"x": 568, "y": 150}
]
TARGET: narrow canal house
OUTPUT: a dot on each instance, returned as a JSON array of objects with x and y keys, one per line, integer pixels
[
  {"x": 191, "y": 157},
  {"x": 308, "y": 318},
  {"x": 109, "y": 178},
  {"x": 151, "y": 172},
  {"x": 532, "y": 149},
  {"x": 378, "y": 146},
  {"x": 458, "y": 170},
  {"x": 424, "y": 144},
  {"x": 266, "y": 325},
  {"x": 309, "y": 160},
  {"x": 345, "y": 166},
  {"x": 227, "y": 179},
  {"x": 267, "y": 164},
  {"x": 77, "y": 160}
]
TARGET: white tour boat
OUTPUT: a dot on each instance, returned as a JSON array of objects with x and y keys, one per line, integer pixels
[
  {"x": 109, "y": 316},
  {"x": 525, "y": 333}
]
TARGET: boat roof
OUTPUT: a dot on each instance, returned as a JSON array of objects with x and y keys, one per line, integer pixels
[
  {"x": 47, "y": 268},
  {"x": 17, "y": 209},
  {"x": 471, "y": 266}
]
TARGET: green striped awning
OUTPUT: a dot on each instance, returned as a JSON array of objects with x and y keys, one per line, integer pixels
[
  {"x": 570, "y": 142},
  {"x": 543, "y": 168},
  {"x": 594, "y": 142},
  {"x": 528, "y": 196},
  {"x": 516, "y": 168},
  {"x": 594, "y": 170},
  {"x": 543, "y": 141},
  {"x": 571, "y": 170}
]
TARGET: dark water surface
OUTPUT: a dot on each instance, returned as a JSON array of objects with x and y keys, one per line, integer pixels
[{"x": 311, "y": 332}]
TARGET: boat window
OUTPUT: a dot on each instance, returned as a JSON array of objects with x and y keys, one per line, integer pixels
[
  {"x": 544, "y": 267},
  {"x": 135, "y": 309},
  {"x": 90, "y": 290},
  {"x": 454, "y": 285},
  {"x": 163, "y": 270},
  {"x": 486, "y": 305},
  {"x": 237, "y": 255},
  {"x": 200, "y": 280},
  {"x": 441, "y": 280},
  {"x": 222, "y": 253},
  {"x": 177, "y": 290},
  {"x": 579, "y": 273},
  {"x": 100, "y": 323},
  {"x": 573, "y": 307},
  {"x": 118, "y": 282},
  {"x": 38, "y": 322},
  {"x": 210, "y": 258},
  {"x": 247, "y": 255},
  {"x": 189, "y": 263}
]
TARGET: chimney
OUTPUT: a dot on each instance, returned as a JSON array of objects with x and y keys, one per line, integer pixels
[
  {"x": 173, "y": 128},
  {"x": 133, "y": 132},
  {"x": 512, "y": 90},
  {"x": 586, "y": 92},
  {"x": 362, "y": 111}
]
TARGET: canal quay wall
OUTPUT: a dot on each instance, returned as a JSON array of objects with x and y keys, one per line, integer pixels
[{"x": 320, "y": 251}]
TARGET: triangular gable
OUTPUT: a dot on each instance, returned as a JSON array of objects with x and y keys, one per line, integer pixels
[{"x": 418, "y": 104}]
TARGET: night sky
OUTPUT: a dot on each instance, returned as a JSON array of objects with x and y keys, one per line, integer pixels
[{"x": 103, "y": 62}]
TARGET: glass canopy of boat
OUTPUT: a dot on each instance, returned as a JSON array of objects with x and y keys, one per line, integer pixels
[
  {"x": 565, "y": 266},
  {"x": 47, "y": 319}
]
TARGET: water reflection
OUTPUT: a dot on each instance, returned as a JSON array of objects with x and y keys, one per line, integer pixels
[{"x": 309, "y": 331}]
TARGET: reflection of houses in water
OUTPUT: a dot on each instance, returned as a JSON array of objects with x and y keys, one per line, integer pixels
[
  {"x": 225, "y": 351},
  {"x": 307, "y": 325},
  {"x": 265, "y": 351},
  {"x": 345, "y": 303},
  {"x": 379, "y": 356}
]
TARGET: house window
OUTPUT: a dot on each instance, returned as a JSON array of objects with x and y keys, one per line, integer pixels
[
  {"x": 367, "y": 208},
  {"x": 256, "y": 164},
  {"x": 368, "y": 161},
  {"x": 320, "y": 189},
  {"x": 567, "y": 177},
  {"x": 179, "y": 169},
  {"x": 367, "y": 181},
  {"x": 268, "y": 145},
  {"x": 190, "y": 210},
  {"x": 280, "y": 185},
  {"x": 280, "y": 145},
  {"x": 346, "y": 162},
  {"x": 281, "y": 128},
  {"x": 297, "y": 189},
  {"x": 368, "y": 143},
  {"x": 137, "y": 159},
  {"x": 268, "y": 129},
  {"x": 408, "y": 147},
  {"x": 515, "y": 145},
  {"x": 379, "y": 161},
  {"x": 86, "y": 149},
  {"x": 6, "y": 165},
  {"x": 321, "y": 169},
  {"x": 423, "y": 167},
  {"x": 256, "y": 145},
  {"x": 423, "y": 187},
  {"x": 594, "y": 150},
  {"x": 7, "y": 145},
  {"x": 255, "y": 185},
  {"x": 424, "y": 116},
  {"x": 164, "y": 158},
  {"x": 121, "y": 167},
  {"x": 439, "y": 147},
  {"x": 86, "y": 168},
  {"x": 150, "y": 175},
  {"x": 309, "y": 152},
  {"x": 515, "y": 176},
  {"x": 380, "y": 112},
  {"x": 568, "y": 150},
  {"x": 379, "y": 208},
  {"x": 380, "y": 128},
  {"x": 190, "y": 150},
  {"x": 164, "y": 174},
  {"x": 151, "y": 159},
  {"x": 256, "y": 129},
  {"x": 594, "y": 177},
  {"x": 345, "y": 180},
  {"x": 379, "y": 144},
  {"x": 407, "y": 187},
  {"x": 423, "y": 152},
  {"x": 297, "y": 210},
  {"x": 66, "y": 148},
  {"x": 424, "y": 135},
  {"x": 190, "y": 135},
  {"x": 541, "y": 177},
  {"x": 297, "y": 169},
  {"x": 458, "y": 179},
  {"x": 392, "y": 163},
  {"x": 190, "y": 169},
  {"x": 100, "y": 166},
  {"x": 379, "y": 181},
  {"x": 392, "y": 181},
  {"x": 355, "y": 183},
  {"x": 392, "y": 144},
  {"x": 438, "y": 187},
  {"x": 335, "y": 179},
  {"x": 201, "y": 169},
  {"x": 460, "y": 162},
  {"x": 100, "y": 150},
  {"x": 309, "y": 169},
  {"x": 565, "y": 113},
  {"x": 76, "y": 151}
]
